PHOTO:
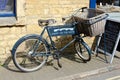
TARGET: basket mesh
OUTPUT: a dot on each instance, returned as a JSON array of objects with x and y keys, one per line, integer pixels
[{"x": 85, "y": 20}]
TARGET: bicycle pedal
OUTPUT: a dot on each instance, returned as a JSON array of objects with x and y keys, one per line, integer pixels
[{"x": 56, "y": 55}]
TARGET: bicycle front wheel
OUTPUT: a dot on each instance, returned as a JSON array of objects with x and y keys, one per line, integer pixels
[
  {"x": 30, "y": 53},
  {"x": 83, "y": 50}
]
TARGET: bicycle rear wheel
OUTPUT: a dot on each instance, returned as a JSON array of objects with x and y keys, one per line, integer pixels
[
  {"x": 83, "y": 50},
  {"x": 30, "y": 53}
]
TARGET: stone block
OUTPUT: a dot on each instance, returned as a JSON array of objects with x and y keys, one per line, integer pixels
[
  {"x": 2, "y": 50},
  {"x": 3, "y": 44},
  {"x": 11, "y": 43},
  {"x": 8, "y": 37},
  {"x": 4, "y": 30},
  {"x": 28, "y": 12},
  {"x": 33, "y": 29}
]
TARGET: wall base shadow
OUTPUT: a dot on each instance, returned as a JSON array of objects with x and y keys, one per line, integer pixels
[{"x": 8, "y": 64}]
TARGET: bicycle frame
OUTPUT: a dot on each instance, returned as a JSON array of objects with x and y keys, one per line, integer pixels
[
  {"x": 39, "y": 49},
  {"x": 52, "y": 42}
]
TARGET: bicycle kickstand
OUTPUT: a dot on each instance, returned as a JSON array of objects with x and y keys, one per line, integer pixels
[
  {"x": 59, "y": 64},
  {"x": 57, "y": 57}
]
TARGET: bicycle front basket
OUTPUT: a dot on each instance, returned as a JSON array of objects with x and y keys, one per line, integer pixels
[{"x": 90, "y": 22}]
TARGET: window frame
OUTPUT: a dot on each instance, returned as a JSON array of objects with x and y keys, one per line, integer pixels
[
  {"x": 92, "y": 3},
  {"x": 10, "y": 14},
  {"x": 18, "y": 18}
]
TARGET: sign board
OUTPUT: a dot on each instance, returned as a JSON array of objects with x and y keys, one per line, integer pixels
[
  {"x": 108, "y": 42},
  {"x": 61, "y": 30},
  {"x": 118, "y": 48}
]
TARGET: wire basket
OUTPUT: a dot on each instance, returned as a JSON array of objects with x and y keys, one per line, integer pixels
[{"x": 91, "y": 22}]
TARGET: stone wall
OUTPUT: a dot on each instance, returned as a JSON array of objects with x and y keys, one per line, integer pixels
[{"x": 28, "y": 13}]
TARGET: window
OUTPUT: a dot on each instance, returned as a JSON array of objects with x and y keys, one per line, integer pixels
[
  {"x": 7, "y": 8},
  {"x": 110, "y": 2},
  {"x": 92, "y": 4},
  {"x": 117, "y": 2},
  {"x": 12, "y": 12}
]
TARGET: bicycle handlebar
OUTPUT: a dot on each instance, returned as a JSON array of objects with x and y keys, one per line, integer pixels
[
  {"x": 97, "y": 19},
  {"x": 76, "y": 11}
]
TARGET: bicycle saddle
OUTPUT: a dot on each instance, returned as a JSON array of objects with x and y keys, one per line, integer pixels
[{"x": 46, "y": 22}]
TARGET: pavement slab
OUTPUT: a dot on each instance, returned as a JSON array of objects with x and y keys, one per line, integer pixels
[{"x": 72, "y": 68}]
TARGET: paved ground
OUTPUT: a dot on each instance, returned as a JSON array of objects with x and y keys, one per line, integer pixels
[
  {"x": 72, "y": 69},
  {"x": 112, "y": 75}
]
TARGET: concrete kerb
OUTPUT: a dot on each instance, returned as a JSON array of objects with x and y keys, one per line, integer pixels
[{"x": 90, "y": 73}]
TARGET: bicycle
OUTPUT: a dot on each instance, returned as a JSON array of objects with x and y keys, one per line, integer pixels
[{"x": 32, "y": 51}]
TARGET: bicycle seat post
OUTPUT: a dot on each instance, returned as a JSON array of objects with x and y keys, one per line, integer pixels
[{"x": 46, "y": 22}]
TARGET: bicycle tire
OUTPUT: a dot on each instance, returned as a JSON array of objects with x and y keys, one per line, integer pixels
[
  {"x": 24, "y": 49},
  {"x": 82, "y": 50}
]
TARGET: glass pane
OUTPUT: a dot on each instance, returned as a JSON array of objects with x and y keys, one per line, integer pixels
[
  {"x": 117, "y": 2},
  {"x": 6, "y": 6},
  {"x": 109, "y": 2}
]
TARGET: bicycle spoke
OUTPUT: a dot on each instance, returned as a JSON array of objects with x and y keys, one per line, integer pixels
[
  {"x": 23, "y": 62},
  {"x": 31, "y": 53},
  {"x": 82, "y": 51}
]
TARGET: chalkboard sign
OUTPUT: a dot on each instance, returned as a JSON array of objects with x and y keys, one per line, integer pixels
[
  {"x": 110, "y": 36},
  {"x": 118, "y": 47},
  {"x": 108, "y": 42}
]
